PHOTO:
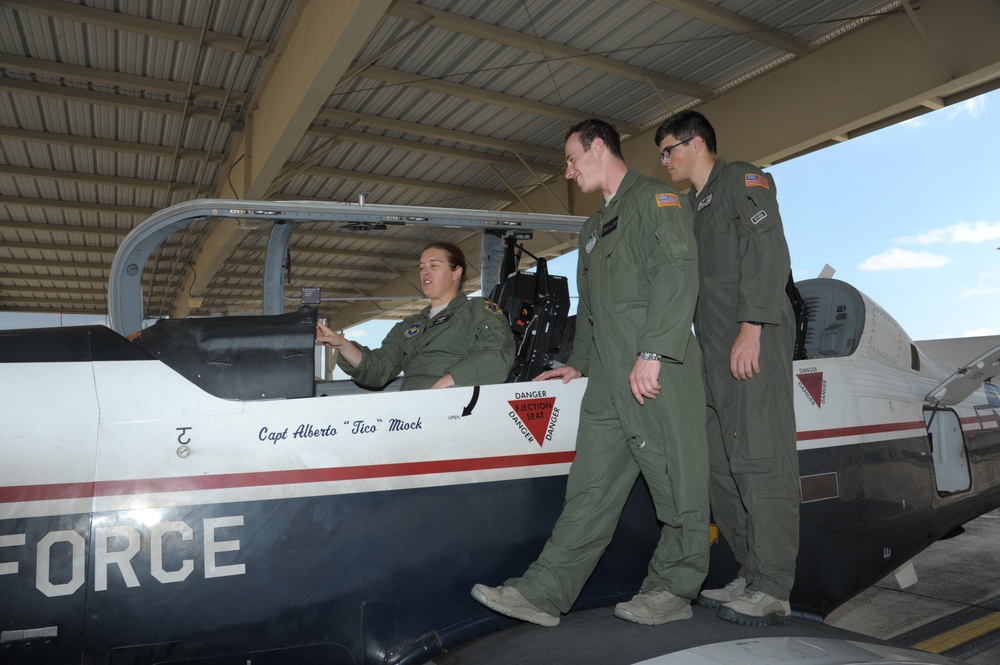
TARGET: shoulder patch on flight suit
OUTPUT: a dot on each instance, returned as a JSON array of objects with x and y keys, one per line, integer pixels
[
  {"x": 668, "y": 199},
  {"x": 492, "y": 307},
  {"x": 413, "y": 330},
  {"x": 759, "y": 216},
  {"x": 591, "y": 241},
  {"x": 755, "y": 180}
]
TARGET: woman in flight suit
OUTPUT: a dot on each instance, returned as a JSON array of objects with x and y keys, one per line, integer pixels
[{"x": 454, "y": 341}]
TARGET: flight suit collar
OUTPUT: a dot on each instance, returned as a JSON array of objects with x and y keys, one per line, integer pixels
[
  {"x": 609, "y": 229},
  {"x": 631, "y": 177},
  {"x": 717, "y": 169},
  {"x": 445, "y": 313}
]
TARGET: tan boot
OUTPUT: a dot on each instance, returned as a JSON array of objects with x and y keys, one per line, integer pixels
[
  {"x": 508, "y": 601},
  {"x": 652, "y": 608}
]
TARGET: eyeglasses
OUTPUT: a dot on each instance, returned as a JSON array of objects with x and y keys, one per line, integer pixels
[{"x": 665, "y": 153}]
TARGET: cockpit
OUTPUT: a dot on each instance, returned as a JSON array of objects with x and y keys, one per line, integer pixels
[{"x": 834, "y": 318}]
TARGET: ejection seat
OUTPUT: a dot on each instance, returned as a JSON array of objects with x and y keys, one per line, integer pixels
[{"x": 536, "y": 306}]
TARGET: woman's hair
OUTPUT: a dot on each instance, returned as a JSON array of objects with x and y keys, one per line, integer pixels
[{"x": 456, "y": 258}]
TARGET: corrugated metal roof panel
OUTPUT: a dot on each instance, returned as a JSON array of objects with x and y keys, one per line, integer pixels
[{"x": 189, "y": 155}]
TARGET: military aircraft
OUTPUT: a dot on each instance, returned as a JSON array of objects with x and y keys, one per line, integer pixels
[{"x": 196, "y": 496}]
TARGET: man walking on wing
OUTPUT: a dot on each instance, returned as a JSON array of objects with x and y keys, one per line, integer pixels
[
  {"x": 746, "y": 327},
  {"x": 644, "y": 407}
]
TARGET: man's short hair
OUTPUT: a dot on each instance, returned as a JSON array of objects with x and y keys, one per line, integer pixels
[
  {"x": 591, "y": 129},
  {"x": 687, "y": 125}
]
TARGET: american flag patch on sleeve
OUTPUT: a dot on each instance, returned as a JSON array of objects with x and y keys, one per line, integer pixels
[
  {"x": 755, "y": 180},
  {"x": 664, "y": 200}
]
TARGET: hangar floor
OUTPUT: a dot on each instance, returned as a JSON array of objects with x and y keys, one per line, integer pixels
[{"x": 954, "y": 607}]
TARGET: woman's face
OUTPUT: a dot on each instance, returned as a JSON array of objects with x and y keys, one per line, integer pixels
[{"x": 437, "y": 279}]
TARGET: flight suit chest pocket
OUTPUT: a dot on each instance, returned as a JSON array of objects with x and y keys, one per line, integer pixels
[
  {"x": 620, "y": 272},
  {"x": 718, "y": 249}
]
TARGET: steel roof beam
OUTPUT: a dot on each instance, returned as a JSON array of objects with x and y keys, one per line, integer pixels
[
  {"x": 396, "y": 143},
  {"x": 127, "y": 23},
  {"x": 403, "y": 127},
  {"x": 741, "y": 25},
  {"x": 71, "y": 141},
  {"x": 546, "y": 48},
  {"x": 408, "y": 182},
  {"x": 94, "y": 76},
  {"x": 113, "y": 100},
  {"x": 484, "y": 96}
]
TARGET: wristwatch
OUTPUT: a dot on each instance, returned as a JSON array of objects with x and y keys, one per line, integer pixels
[{"x": 649, "y": 355}]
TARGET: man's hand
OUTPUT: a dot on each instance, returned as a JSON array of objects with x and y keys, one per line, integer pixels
[
  {"x": 566, "y": 373},
  {"x": 645, "y": 379},
  {"x": 744, "y": 359}
]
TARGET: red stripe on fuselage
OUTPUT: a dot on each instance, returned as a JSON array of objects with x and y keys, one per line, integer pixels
[
  {"x": 858, "y": 430},
  {"x": 24, "y": 493}
]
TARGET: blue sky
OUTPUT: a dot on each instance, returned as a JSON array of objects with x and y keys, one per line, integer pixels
[{"x": 910, "y": 215}]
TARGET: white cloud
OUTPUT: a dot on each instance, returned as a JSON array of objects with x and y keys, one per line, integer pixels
[
  {"x": 903, "y": 259},
  {"x": 973, "y": 107},
  {"x": 971, "y": 232},
  {"x": 914, "y": 123},
  {"x": 978, "y": 291},
  {"x": 988, "y": 285},
  {"x": 979, "y": 332}
]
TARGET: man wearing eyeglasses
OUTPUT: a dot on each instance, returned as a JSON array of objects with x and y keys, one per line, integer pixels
[
  {"x": 644, "y": 407},
  {"x": 746, "y": 326}
]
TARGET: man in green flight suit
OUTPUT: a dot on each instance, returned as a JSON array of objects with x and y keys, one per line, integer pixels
[
  {"x": 644, "y": 407},
  {"x": 453, "y": 341},
  {"x": 746, "y": 326}
]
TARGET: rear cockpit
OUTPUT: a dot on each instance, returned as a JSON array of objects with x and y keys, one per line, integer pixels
[
  {"x": 840, "y": 321},
  {"x": 835, "y": 318}
]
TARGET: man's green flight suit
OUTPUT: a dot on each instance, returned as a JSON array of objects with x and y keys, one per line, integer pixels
[
  {"x": 743, "y": 270},
  {"x": 469, "y": 339},
  {"x": 637, "y": 276}
]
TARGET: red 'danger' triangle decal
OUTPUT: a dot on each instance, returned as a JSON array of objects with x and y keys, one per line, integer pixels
[
  {"x": 535, "y": 414},
  {"x": 813, "y": 383}
]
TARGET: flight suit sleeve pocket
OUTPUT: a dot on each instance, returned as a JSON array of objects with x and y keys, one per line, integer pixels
[
  {"x": 756, "y": 215},
  {"x": 674, "y": 249}
]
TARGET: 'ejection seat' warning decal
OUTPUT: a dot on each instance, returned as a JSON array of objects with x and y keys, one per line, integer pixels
[
  {"x": 536, "y": 418},
  {"x": 814, "y": 387}
]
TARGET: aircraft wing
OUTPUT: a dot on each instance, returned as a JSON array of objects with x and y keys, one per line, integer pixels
[{"x": 966, "y": 380}]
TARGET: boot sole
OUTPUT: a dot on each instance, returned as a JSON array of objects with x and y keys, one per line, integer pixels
[
  {"x": 679, "y": 615},
  {"x": 746, "y": 620},
  {"x": 704, "y": 601}
]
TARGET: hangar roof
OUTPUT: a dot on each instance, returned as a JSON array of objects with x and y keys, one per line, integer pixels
[{"x": 113, "y": 109}]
